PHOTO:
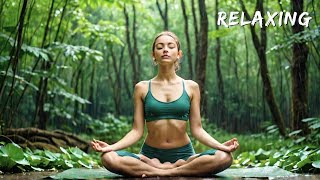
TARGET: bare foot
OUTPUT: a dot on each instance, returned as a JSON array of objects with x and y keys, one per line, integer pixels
[
  {"x": 156, "y": 163},
  {"x": 180, "y": 162}
]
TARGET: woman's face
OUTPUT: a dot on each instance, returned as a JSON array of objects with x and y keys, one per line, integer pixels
[{"x": 165, "y": 50}]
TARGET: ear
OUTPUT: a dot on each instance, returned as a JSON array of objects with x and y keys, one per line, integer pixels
[
  {"x": 152, "y": 55},
  {"x": 180, "y": 54}
]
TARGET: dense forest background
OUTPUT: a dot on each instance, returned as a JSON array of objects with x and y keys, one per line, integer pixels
[{"x": 68, "y": 64}]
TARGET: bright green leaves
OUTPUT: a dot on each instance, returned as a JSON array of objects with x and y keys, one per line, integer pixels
[
  {"x": 11, "y": 155},
  {"x": 296, "y": 159},
  {"x": 314, "y": 123},
  {"x": 316, "y": 164},
  {"x": 33, "y": 51},
  {"x": 77, "y": 52}
]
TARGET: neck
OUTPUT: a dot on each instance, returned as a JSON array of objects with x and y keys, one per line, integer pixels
[{"x": 166, "y": 74}]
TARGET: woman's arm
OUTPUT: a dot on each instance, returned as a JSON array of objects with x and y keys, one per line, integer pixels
[
  {"x": 196, "y": 126},
  {"x": 138, "y": 123}
]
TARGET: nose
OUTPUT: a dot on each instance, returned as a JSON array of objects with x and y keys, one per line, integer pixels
[{"x": 165, "y": 49}]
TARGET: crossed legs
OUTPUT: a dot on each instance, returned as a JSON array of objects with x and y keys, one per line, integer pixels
[
  {"x": 194, "y": 166},
  {"x": 129, "y": 166}
]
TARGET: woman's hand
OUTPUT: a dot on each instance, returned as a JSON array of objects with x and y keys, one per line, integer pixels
[
  {"x": 231, "y": 145},
  {"x": 100, "y": 146}
]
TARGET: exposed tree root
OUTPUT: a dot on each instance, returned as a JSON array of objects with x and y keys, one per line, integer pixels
[{"x": 43, "y": 139}]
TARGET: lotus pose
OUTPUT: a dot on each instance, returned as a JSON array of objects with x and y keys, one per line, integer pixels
[{"x": 165, "y": 104}]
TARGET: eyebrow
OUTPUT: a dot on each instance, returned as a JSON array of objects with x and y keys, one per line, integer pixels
[{"x": 167, "y": 43}]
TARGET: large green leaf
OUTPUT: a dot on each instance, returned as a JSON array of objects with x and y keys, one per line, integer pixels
[
  {"x": 71, "y": 96},
  {"x": 315, "y": 126},
  {"x": 6, "y": 162},
  {"x": 303, "y": 162},
  {"x": 13, "y": 151},
  {"x": 19, "y": 78},
  {"x": 316, "y": 164},
  {"x": 35, "y": 51},
  {"x": 75, "y": 52},
  {"x": 76, "y": 152}
]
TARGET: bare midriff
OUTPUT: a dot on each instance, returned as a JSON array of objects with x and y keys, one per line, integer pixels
[{"x": 167, "y": 134}]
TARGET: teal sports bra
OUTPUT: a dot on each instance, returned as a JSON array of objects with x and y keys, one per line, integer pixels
[{"x": 178, "y": 109}]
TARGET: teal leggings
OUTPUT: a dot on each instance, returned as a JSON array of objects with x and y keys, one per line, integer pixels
[{"x": 167, "y": 155}]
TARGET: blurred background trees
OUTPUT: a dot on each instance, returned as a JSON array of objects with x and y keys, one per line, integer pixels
[{"x": 66, "y": 64}]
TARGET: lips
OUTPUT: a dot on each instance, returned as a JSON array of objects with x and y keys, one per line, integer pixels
[{"x": 165, "y": 56}]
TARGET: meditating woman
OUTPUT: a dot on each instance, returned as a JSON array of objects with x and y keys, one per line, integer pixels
[{"x": 166, "y": 104}]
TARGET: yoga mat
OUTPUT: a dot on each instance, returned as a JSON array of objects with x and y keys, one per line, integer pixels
[{"x": 257, "y": 172}]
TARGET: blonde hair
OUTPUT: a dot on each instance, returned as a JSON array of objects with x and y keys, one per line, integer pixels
[{"x": 176, "y": 39}]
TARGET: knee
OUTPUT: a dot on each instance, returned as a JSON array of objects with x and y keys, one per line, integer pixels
[
  {"x": 226, "y": 159},
  {"x": 109, "y": 161}
]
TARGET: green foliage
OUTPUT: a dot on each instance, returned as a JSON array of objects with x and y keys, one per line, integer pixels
[
  {"x": 300, "y": 154},
  {"x": 20, "y": 79},
  {"x": 14, "y": 158},
  {"x": 248, "y": 142},
  {"x": 33, "y": 51},
  {"x": 110, "y": 128},
  {"x": 296, "y": 158},
  {"x": 77, "y": 52},
  {"x": 304, "y": 36}
]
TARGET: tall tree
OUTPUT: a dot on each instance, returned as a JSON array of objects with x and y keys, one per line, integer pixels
[
  {"x": 299, "y": 75},
  {"x": 260, "y": 46},
  {"x": 117, "y": 64},
  {"x": 14, "y": 59},
  {"x": 132, "y": 49},
  {"x": 221, "y": 95},
  {"x": 135, "y": 41},
  {"x": 196, "y": 35},
  {"x": 41, "y": 114},
  {"x": 201, "y": 71},
  {"x": 186, "y": 32},
  {"x": 164, "y": 14}
]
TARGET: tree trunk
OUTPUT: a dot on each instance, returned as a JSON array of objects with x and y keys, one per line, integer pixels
[
  {"x": 14, "y": 60},
  {"x": 135, "y": 44},
  {"x": 260, "y": 46},
  {"x": 117, "y": 68},
  {"x": 76, "y": 78},
  {"x": 196, "y": 36},
  {"x": 186, "y": 32},
  {"x": 164, "y": 15},
  {"x": 201, "y": 72},
  {"x": 42, "y": 93},
  {"x": 131, "y": 50},
  {"x": 221, "y": 95},
  {"x": 299, "y": 75},
  {"x": 90, "y": 107}
]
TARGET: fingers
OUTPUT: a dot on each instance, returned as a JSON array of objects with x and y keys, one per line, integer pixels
[
  {"x": 96, "y": 146},
  {"x": 237, "y": 144}
]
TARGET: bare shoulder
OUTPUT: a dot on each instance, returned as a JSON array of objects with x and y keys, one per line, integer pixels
[
  {"x": 141, "y": 87},
  {"x": 192, "y": 88},
  {"x": 192, "y": 85}
]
